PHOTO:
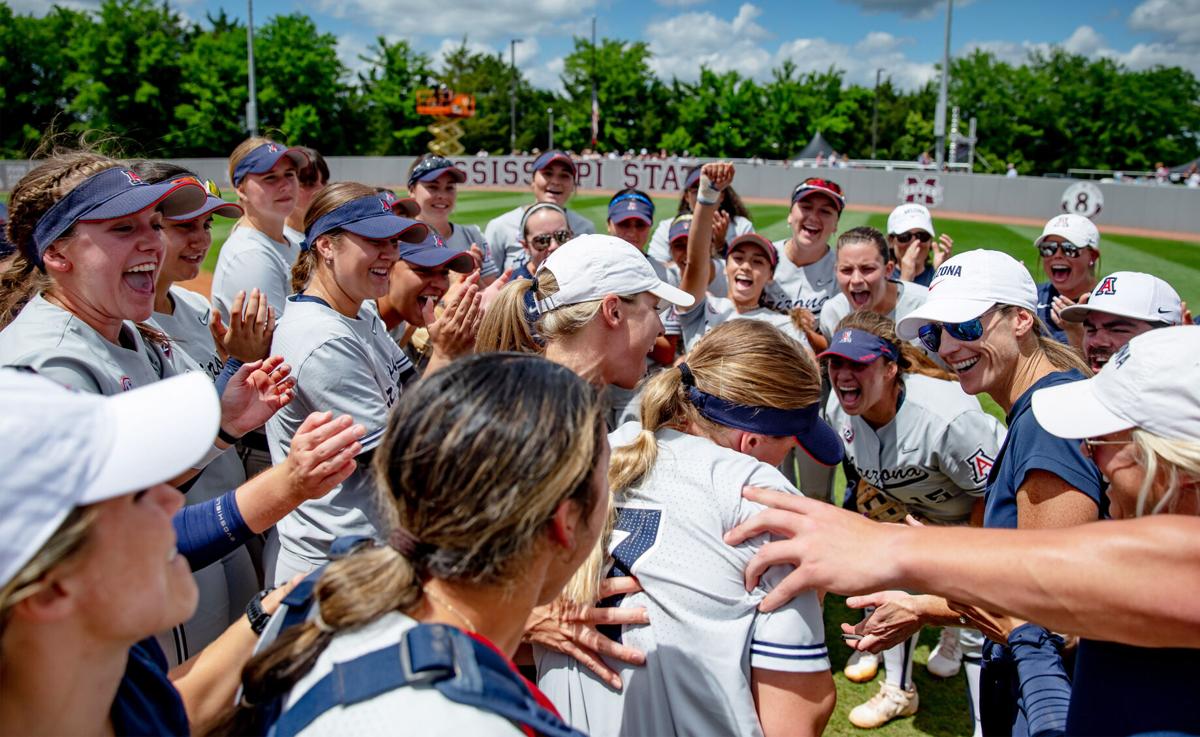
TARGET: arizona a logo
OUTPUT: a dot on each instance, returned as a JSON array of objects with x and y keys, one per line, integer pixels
[
  {"x": 981, "y": 465},
  {"x": 132, "y": 177},
  {"x": 1108, "y": 286}
]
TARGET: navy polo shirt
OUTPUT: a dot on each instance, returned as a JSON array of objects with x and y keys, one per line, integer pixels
[
  {"x": 1028, "y": 447},
  {"x": 1122, "y": 689},
  {"x": 147, "y": 702},
  {"x": 1045, "y": 310}
]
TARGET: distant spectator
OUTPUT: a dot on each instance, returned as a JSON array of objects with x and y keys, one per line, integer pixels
[
  {"x": 1161, "y": 173},
  {"x": 925, "y": 159},
  {"x": 1012, "y": 171},
  {"x": 1192, "y": 176}
]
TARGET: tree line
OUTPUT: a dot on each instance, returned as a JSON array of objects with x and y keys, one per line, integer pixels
[{"x": 164, "y": 86}]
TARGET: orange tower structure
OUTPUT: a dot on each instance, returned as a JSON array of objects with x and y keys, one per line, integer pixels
[{"x": 447, "y": 108}]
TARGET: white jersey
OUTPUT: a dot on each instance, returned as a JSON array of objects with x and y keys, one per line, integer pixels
[
  {"x": 934, "y": 456},
  {"x": 502, "y": 236},
  {"x": 660, "y": 242},
  {"x": 420, "y": 709},
  {"x": 795, "y": 286},
  {"x": 705, "y": 632},
  {"x": 718, "y": 287},
  {"x": 909, "y": 296},
  {"x": 712, "y": 311},
  {"x": 462, "y": 237},
  {"x": 250, "y": 259},
  {"x": 349, "y": 366},
  {"x": 60, "y": 346},
  {"x": 189, "y": 328}
]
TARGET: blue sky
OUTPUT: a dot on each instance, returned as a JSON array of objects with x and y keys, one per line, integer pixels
[{"x": 904, "y": 37}]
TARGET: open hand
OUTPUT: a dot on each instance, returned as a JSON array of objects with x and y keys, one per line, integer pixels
[{"x": 255, "y": 393}]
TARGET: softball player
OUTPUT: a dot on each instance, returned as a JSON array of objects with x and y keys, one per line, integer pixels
[
  {"x": 186, "y": 318},
  {"x": 310, "y": 179},
  {"x": 257, "y": 254},
  {"x": 553, "y": 181},
  {"x": 433, "y": 181},
  {"x": 730, "y": 221},
  {"x": 714, "y": 664},
  {"x": 748, "y": 268},
  {"x": 804, "y": 278},
  {"x": 862, "y": 265},
  {"x": 916, "y": 251},
  {"x": 344, "y": 359},
  {"x": 1070, "y": 250},
  {"x": 917, "y": 444}
]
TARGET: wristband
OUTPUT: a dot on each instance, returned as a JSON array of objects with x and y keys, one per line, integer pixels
[
  {"x": 226, "y": 437},
  {"x": 707, "y": 194},
  {"x": 255, "y": 613}
]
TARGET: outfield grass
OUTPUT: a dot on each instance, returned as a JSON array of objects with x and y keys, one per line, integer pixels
[{"x": 943, "y": 702}]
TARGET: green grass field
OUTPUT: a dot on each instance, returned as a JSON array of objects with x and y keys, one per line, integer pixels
[{"x": 943, "y": 703}]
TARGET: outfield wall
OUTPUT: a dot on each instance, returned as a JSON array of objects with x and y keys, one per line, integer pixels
[{"x": 1160, "y": 208}]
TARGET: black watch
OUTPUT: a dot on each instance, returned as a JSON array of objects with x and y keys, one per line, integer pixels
[{"x": 255, "y": 612}]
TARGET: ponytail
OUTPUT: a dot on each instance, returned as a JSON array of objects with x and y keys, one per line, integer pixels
[
  {"x": 351, "y": 591},
  {"x": 505, "y": 326},
  {"x": 302, "y": 270}
]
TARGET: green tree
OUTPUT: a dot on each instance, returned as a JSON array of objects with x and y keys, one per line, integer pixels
[
  {"x": 302, "y": 91},
  {"x": 211, "y": 120},
  {"x": 126, "y": 71},
  {"x": 630, "y": 97},
  {"x": 34, "y": 66},
  {"x": 386, "y": 104}
]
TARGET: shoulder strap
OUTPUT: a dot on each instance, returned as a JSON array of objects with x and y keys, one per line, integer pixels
[{"x": 429, "y": 654}]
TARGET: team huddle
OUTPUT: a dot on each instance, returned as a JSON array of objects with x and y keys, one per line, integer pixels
[{"x": 398, "y": 473}]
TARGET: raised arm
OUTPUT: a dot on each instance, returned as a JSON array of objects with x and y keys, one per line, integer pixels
[{"x": 697, "y": 273}]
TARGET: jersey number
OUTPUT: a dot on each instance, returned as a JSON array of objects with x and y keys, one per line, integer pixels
[{"x": 639, "y": 529}]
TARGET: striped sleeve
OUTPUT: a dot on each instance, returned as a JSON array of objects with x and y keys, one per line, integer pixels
[{"x": 792, "y": 638}]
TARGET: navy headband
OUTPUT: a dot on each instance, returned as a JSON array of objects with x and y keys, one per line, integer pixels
[
  {"x": 113, "y": 193},
  {"x": 804, "y": 424}
]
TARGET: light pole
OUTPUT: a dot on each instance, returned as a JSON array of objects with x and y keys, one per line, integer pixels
[
  {"x": 939, "y": 120},
  {"x": 512, "y": 129},
  {"x": 550, "y": 138},
  {"x": 875, "y": 116},
  {"x": 252, "y": 102}
]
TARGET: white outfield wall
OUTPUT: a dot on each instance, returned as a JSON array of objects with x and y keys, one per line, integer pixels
[{"x": 1168, "y": 209}]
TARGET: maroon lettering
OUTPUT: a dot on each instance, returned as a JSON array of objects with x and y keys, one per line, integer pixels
[
  {"x": 630, "y": 171},
  {"x": 653, "y": 169},
  {"x": 670, "y": 180},
  {"x": 510, "y": 172}
]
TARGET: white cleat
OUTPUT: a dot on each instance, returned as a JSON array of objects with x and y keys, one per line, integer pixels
[
  {"x": 861, "y": 667},
  {"x": 946, "y": 659},
  {"x": 890, "y": 703}
]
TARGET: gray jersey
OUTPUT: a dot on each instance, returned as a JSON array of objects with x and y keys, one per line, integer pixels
[
  {"x": 934, "y": 456},
  {"x": 705, "y": 632},
  {"x": 64, "y": 348},
  {"x": 502, "y": 236},
  {"x": 660, "y": 244},
  {"x": 349, "y": 366},
  {"x": 717, "y": 287},
  {"x": 795, "y": 286},
  {"x": 250, "y": 259},
  {"x": 189, "y": 328},
  {"x": 462, "y": 237},
  {"x": 712, "y": 311},
  {"x": 295, "y": 237},
  {"x": 909, "y": 296}
]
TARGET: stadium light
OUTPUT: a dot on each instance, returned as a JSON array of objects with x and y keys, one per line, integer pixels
[
  {"x": 512, "y": 129},
  {"x": 252, "y": 102},
  {"x": 939, "y": 120},
  {"x": 875, "y": 116}
]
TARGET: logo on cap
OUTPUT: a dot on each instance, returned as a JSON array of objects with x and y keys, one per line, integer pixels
[
  {"x": 132, "y": 177},
  {"x": 949, "y": 270},
  {"x": 437, "y": 240},
  {"x": 845, "y": 337},
  {"x": 1107, "y": 287},
  {"x": 1120, "y": 357},
  {"x": 273, "y": 148},
  {"x": 384, "y": 203}
]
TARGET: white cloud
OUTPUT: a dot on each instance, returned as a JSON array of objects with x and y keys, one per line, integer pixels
[
  {"x": 1086, "y": 41},
  {"x": 547, "y": 76},
  {"x": 877, "y": 50},
  {"x": 488, "y": 19},
  {"x": 680, "y": 3},
  {"x": 919, "y": 9},
  {"x": 684, "y": 43},
  {"x": 39, "y": 8},
  {"x": 1177, "y": 19}
]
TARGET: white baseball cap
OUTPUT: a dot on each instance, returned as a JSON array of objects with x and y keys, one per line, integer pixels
[
  {"x": 967, "y": 285},
  {"x": 63, "y": 449},
  {"x": 1152, "y": 383},
  {"x": 589, "y": 267},
  {"x": 1073, "y": 228},
  {"x": 1131, "y": 294},
  {"x": 909, "y": 216}
]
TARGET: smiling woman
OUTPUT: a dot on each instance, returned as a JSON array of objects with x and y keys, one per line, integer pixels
[{"x": 862, "y": 267}]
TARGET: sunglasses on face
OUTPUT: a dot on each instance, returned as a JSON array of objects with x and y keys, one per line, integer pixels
[
  {"x": 920, "y": 235},
  {"x": 1070, "y": 250},
  {"x": 964, "y": 332},
  {"x": 1088, "y": 446},
  {"x": 542, "y": 242}
]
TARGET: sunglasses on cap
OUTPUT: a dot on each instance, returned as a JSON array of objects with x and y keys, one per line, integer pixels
[
  {"x": 428, "y": 164},
  {"x": 920, "y": 235},
  {"x": 542, "y": 242},
  {"x": 964, "y": 332},
  {"x": 823, "y": 184},
  {"x": 209, "y": 185},
  {"x": 1070, "y": 250}
]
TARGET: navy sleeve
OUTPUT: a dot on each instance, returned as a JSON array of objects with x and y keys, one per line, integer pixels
[
  {"x": 210, "y": 530},
  {"x": 227, "y": 372},
  {"x": 1035, "y": 449},
  {"x": 1044, "y": 691}
]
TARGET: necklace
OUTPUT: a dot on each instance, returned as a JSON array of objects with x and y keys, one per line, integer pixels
[{"x": 450, "y": 608}]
